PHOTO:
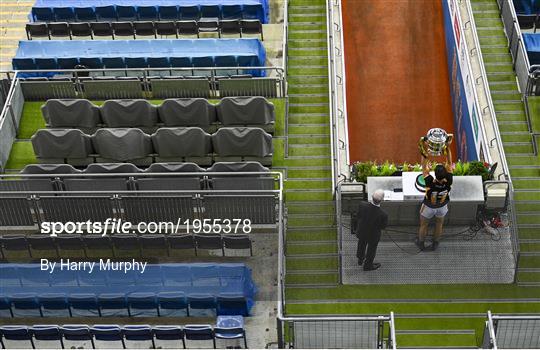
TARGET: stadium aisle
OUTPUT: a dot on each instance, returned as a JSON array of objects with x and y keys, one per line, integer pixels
[
  {"x": 518, "y": 147},
  {"x": 396, "y": 76},
  {"x": 311, "y": 232},
  {"x": 13, "y": 16}
]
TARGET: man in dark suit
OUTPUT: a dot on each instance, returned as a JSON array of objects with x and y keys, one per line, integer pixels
[{"x": 370, "y": 220}]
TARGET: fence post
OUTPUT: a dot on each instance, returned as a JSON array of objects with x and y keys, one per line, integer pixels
[{"x": 281, "y": 341}]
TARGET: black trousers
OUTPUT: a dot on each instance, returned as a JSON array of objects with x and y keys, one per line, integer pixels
[{"x": 366, "y": 251}]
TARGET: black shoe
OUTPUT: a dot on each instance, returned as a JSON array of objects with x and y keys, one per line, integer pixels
[
  {"x": 434, "y": 245},
  {"x": 373, "y": 266},
  {"x": 360, "y": 262},
  {"x": 420, "y": 244}
]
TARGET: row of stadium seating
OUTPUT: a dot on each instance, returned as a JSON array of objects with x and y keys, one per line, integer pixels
[
  {"x": 45, "y": 54},
  {"x": 136, "y": 304},
  {"x": 89, "y": 244},
  {"x": 532, "y": 45},
  {"x": 137, "y": 113},
  {"x": 94, "y": 10},
  {"x": 130, "y": 336},
  {"x": 132, "y": 145},
  {"x": 115, "y": 29}
]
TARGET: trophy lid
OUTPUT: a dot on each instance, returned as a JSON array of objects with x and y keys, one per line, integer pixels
[{"x": 437, "y": 135}]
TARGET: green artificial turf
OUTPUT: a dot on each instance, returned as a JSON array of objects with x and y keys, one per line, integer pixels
[
  {"x": 21, "y": 155},
  {"x": 534, "y": 112}
]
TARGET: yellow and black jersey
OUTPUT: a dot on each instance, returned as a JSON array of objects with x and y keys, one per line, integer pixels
[{"x": 437, "y": 191}]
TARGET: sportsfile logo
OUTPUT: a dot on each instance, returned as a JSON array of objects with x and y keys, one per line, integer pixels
[{"x": 115, "y": 226}]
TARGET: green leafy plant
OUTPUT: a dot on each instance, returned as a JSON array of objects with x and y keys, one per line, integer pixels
[{"x": 362, "y": 170}]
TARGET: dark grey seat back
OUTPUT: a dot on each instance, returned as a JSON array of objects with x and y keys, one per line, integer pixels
[
  {"x": 239, "y": 111},
  {"x": 61, "y": 144},
  {"x": 243, "y": 142},
  {"x": 129, "y": 113},
  {"x": 187, "y": 112},
  {"x": 71, "y": 113},
  {"x": 122, "y": 145}
]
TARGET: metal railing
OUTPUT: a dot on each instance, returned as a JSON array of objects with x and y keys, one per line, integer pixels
[
  {"x": 329, "y": 332},
  {"x": 337, "y": 95},
  {"x": 156, "y": 83},
  {"x": 27, "y": 200},
  {"x": 511, "y": 332}
]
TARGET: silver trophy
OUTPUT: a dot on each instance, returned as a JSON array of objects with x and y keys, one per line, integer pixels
[{"x": 435, "y": 143}]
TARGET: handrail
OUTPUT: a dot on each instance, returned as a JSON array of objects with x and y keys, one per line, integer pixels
[
  {"x": 393, "y": 330},
  {"x": 491, "y": 329}
]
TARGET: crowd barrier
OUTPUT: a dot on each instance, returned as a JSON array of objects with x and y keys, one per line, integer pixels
[
  {"x": 28, "y": 207},
  {"x": 511, "y": 332}
]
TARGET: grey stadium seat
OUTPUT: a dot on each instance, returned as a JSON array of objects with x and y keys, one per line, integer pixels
[
  {"x": 173, "y": 183},
  {"x": 103, "y": 183},
  {"x": 123, "y": 145},
  {"x": 112, "y": 168},
  {"x": 129, "y": 114},
  {"x": 182, "y": 145},
  {"x": 71, "y": 113},
  {"x": 246, "y": 111},
  {"x": 49, "y": 169},
  {"x": 242, "y": 144},
  {"x": 187, "y": 112},
  {"x": 242, "y": 182},
  {"x": 70, "y": 146}
]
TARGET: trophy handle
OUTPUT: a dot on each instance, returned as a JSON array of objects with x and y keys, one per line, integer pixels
[
  {"x": 422, "y": 146},
  {"x": 449, "y": 138}
]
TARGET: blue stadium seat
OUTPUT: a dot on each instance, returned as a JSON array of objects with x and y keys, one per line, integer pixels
[
  {"x": 181, "y": 62},
  {"x": 64, "y": 14},
  {"x": 230, "y": 275},
  {"x": 32, "y": 277},
  {"x": 170, "y": 333},
  {"x": 189, "y": 13},
  {"x": 139, "y": 334},
  {"x": 49, "y": 336},
  {"x": 159, "y": 62},
  {"x": 5, "y": 307},
  {"x": 83, "y": 304},
  {"x": 112, "y": 304},
  {"x": 202, "y": 305},
  {"x": 210, "y": 11},
  {"x": 113, "y": 62},
  {"x": 23, "y": 63},
  {"x": 143, "y": 304},
  {"x": 67, "y": 62},
  {"x": 46, "y": 63},
  {"x": 231, "y": 11},
  {"x": 252, "y": 11},
  {"x": 18, "y": 337},
  {"x": 226, "y": 61},
  {"x": 168, "y": 13},
  {"x": 199, "y": 332},
  {"x": 10, "y": 276},
  {"x": 85, "y": 14},
  {"x": 43, "y": 14},
  {"x": 65, "y": 278},
  {"x": 76, "y": 333},
  {"x": 136, "y": 62},
  {"x": 232, "y": 304},
  {"x": 91, "y": 62},
  {"x": 202, "y": 61},
  {"x": 172, "y": 304},
  {"x": 147, "y": 13},
  {"x": 93, "y": 280},
  {"x": 176, "y": 276},
  {"x": 106, "y": 13},
  {"x": 25, "y": 305},
  {"x": 54, "y": 304},
  {"x": 154, "y": 279},
  {"x": 108, "y": 333},
  {"x": 205, "y": 276},
  {"x": 230, "y": 327},
  {"x": 126, "y": 13}
]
